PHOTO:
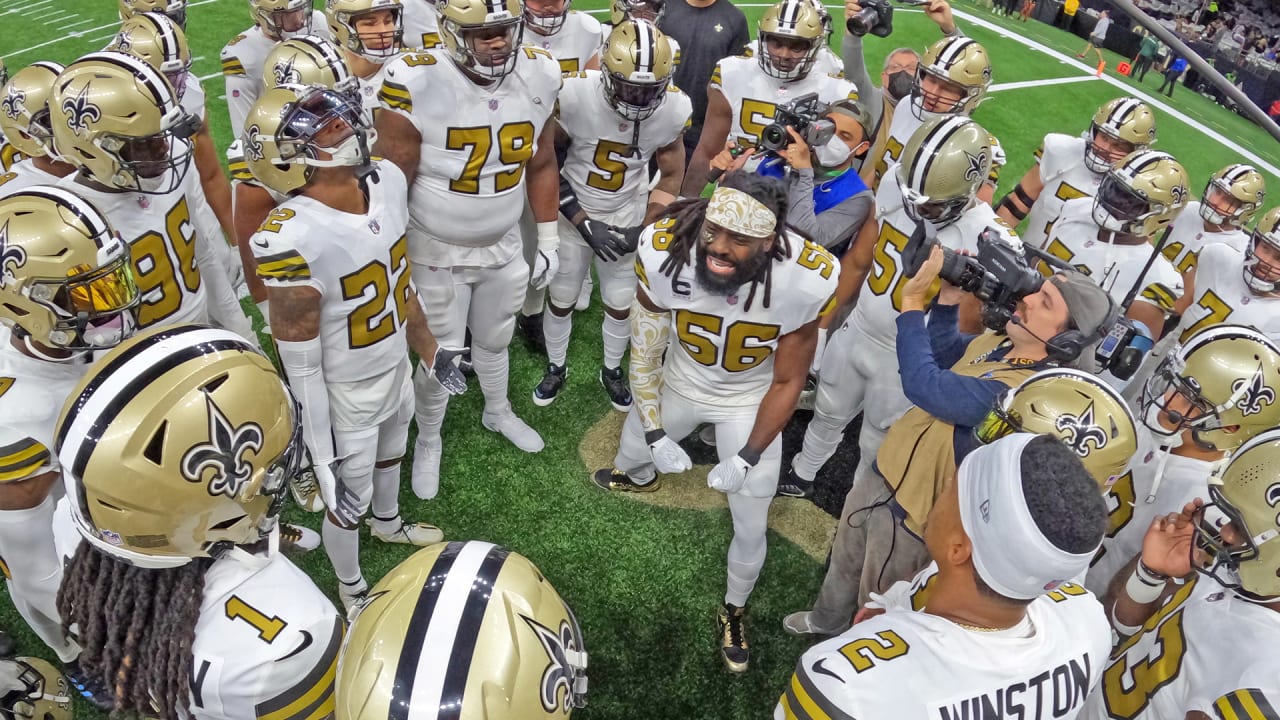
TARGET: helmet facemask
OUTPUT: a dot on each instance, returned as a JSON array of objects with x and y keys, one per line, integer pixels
[
  {"x": 1214, "y": 555},
  {"x": 328, "y": 121},
  {"x": 1099, "y": 159},
  {"x": 922, "y": 208},
  {"x": 389, "y": 42},
  {"x": 1261, "y": 276},
  {"x": 291, "y": 22},
  {"x": 153, "y": 164},
  {"x": 1212, "y": 215},
  {"x": 1158, "y": 394},
  {"x": 1119, "y": 208},
  {"x": 637, "y": 97},
  {"x": 1000, "y": 421},
  {"x": 486, "y": 64},
  {"x": 94, "y": 309},
  {"x": 548, "y": 24},
  {"x": 920, "y": 97},
  {"x": 792, "y": 65}
]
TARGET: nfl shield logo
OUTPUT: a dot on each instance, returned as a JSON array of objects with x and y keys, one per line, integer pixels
[
  {"x": 375, "y": 227},
  {"x": 493, "y": 105},
  {"x": 112, "y": 538},
  {"x": 623, "y": 127},
  {"x": 1244, "y": 300},
  {"x": 144, "y": 202},
  {"x": 732, "y": 299}
]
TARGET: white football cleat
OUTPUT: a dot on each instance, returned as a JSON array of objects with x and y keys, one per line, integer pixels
[{"x": 515, "y": 430}]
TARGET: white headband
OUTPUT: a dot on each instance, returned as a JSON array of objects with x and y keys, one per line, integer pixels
[
  {"x": 740, "y": 213},
  {"x": 1010, "y": 553}
]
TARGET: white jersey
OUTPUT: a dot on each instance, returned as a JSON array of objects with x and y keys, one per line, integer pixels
[
  {"x": 242, "y": 60},
  {"x": 754, "y": 97},
  {"x": 476, "y": 141},
  {"x": 1065, "y": 177},
  {"x": 238, "y": 169},
  {"x": 192, "y": 100},
  {"x": 577, "y": 41},
  {"x": 358, "y": 264},
  {"x": 910, "y": 665},
  {"x": 1074, "y": 239},
  {"x": 1180, "y": 480},
  {"x": 22, "y": 176},
  {"x": 880, "y": 300},
  {"x": 722, "y": 347},
  {"x": 1187, "y": 237},
  {"x": 32, "y": 392},
  {"x": 421, "y": 22},
  {"x": 161, "y": 233},
  {"x": 266, "y": 643},
  {"x": 369, "y": 88},
  {"x": 903, "y": 125},
  {"x": 9, "y": 155},
  {"x": 1205, "y": 650},
  {"x": 602, "y": 167},
  {"x": 1222, "y": 296}
]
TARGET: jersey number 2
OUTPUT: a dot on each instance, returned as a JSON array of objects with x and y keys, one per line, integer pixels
[{"x": 371, "y": 322}]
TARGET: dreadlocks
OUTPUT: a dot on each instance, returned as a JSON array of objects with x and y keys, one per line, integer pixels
[
  {"x": 136, "y": 626},
  {"x": 689, "y": 214}
]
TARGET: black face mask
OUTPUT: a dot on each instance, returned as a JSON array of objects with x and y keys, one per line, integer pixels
[{"x": 899, "y": 85}]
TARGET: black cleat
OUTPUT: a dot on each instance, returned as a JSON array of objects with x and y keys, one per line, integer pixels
[
  {"x": 618, "y": 481},
  {"x": 552, "y": 383},
  {"x": 614, "y": 381},
  {"x": 7, "y": 644},
  {"x": 791, "y": 485},
  {"x": 733, "y": 638},
  {"x": 93, "y": 690},
  {"x": 529, "y": 327}
]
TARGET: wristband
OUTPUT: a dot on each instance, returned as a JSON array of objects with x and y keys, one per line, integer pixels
[
  {"x": 751, "y": 456},
  {"x": 1140, "y": 589},
  {"x": 653, "y": 436},
  {"x": 1120, "y": 627},
  {"x": 548, "y": 236},
  {"x": 1149, "y": 576},
  {"x": 569, "y": 205}
]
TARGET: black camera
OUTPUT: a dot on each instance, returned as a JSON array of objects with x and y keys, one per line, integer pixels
[
  {"x": 875, "y": 17},
  {"x": 807, "y": 115},
  {"x": 999, "y": 276}
]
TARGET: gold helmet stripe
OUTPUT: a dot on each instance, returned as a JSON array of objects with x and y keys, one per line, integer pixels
[
  {"x": 313, "y": 696},
  {"x": 113, "y": 387}
]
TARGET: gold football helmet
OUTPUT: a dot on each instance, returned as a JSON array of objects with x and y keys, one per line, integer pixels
[
  {"x": 651, "y": 10},
  {"x": 1077, "y": 408},
  {"x": 464, "y": 23},
  {"x": 24, "y": 109},
  {"x": 282, "y": 135},
  {"x": 180, "y": 444},
  {"x": 344, "y": 15},
  {"x": 158, "y": 41},
  {"x": 1261, "y": 276},
  {"x": 962, "y": 67},
  {"x": 1221, "y": 384},
  {"x": 282, "y": 19},
  {"x": 943, "y": 165},
  {"x": 1244, "y": 494},
  {"x": 1129, "y": 125},
  {"x": 1239, "y": 183},
  {"x": 66, "y": 280},
  {"x": 310, "y": 60},
  {"x": 175, "y": 10},
  {"x": 117, "y": 119},
  {"x": 797, "y": 26},
  {"x": 33, "y": 689},
  {"x": 525, "y": 656},
  {"x": 1141, "y": 194},
  {"x": 636, "y": 63}
]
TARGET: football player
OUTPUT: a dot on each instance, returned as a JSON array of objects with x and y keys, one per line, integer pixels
[
  {"x": 744, "y": 93},
  {"x": 995, "y": 623},
  {"x": 244, "y": 55},
  {"x": 421, "y": 24},
  {"x": 1205, "y": 400},
  {"x": 177, "y": 447},
  {"x": 24, "y": 120},
  {"x": 613, "y": 122},
  {"x": 9, "y": 155},
  {"x": 307, "y": 60},
  {"x": 161, "y": 43},
  {"x": 369, "y": 33},
  {"x": 33, "y": 689},
  {"x": 1231, "y": 198},
  {"x": 1069, "y": 167},
  {"x": 1202, "y": 646},
  {"x": 951, "y": 79},
  {"x": 510, "y": 650},
  {"x": 466, "y": 123},
  {"x": 175, "y": 10},
  {"x": 827, "y": 62},
  {"x": 1108, "y": 237},
  {"x": 935, "y": 188},
  {"x": 744, "y": 300},
  {"x": 573, "y": 38},
  {"x": 66, "y": 290},
  {"x": 650, "y": 10},
  {"x": 344, "y": 311}
]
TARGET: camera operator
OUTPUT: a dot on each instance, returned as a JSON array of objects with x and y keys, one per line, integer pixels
[
  {"x": 826, "y": 200},
  {"x": 878, "y": 539}
]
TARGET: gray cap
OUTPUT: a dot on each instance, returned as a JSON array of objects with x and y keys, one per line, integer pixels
[{"x": 1090, "y": 308}]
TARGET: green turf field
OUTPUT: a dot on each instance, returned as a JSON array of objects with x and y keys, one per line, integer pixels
[{"x": 645, "y": 579}]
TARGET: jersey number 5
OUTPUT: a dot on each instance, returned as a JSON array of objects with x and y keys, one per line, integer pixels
[
  {"x": 704, "y": 335},
  {"x": 371, "y": 321}
]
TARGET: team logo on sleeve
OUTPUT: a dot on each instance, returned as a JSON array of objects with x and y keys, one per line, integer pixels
[
  {"x": 557, "y": 680},
  {"x": 12, "y": 103},
  {"x": 80, "y": 112},
  {"x": 12, "y": 257},
  {"x": 1256, "y": 393},
  {"x": 223, "y": 455},
  {"x": 1081, "y": 432}
]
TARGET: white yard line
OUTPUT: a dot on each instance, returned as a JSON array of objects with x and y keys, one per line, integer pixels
[
  {"x": 1039, "y": 83},
  {"x": 81, "y": 33}
]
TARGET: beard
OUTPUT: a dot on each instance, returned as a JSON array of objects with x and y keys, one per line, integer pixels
[{"x": 725, "y": 285}]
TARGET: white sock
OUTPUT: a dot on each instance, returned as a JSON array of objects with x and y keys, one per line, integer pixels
[
  {"x": 556, "y": 331},
  {"x": 492, "y": 370},
  {"x": 533, "y": 301},
  {"x": 617, "y": 336},
  {"x": 343, "y": 548},
  {"x": 26, "y": 544},
  {"x": 386, "y": 496}
]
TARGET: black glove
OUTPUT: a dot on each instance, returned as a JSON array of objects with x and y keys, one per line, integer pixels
[
  {"x": 630, "y": 236},
  {"x": 606, "y": 241}
]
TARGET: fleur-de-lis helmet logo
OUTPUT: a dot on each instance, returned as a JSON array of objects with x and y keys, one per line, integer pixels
[
  {"x": 13, "y": 102},
  {"x": 80, "y": 112},
  {"x": 12, "y": 257},
  {"x": 123, "y": 42},
  {"x": 285, "y": 73},
  {"x": 252, "y": 145},
  {"x": 224, "y": 454},
  {"x": 1256, "y": 393},
  {"x": 976, "y": 163},
  {"x": 557, "y": 679},
  {"x": 1081, "y": 432}
]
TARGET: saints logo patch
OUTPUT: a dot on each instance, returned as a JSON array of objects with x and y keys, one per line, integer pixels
[
  {"x": 1256, "y": 393},
  {"x": 558, "y": 678},
  {"x": 979, "y": 165},
  {"x": 80, "y": 112},
  {"x": 1081, "y": 432},
  {"x": 252, "y": 145},
  {"x": 284, "y": 72},
  {"x": 13, "y": 102},
  {"x": 12, "y": 257},
  {"x": 221, "y": 459}
]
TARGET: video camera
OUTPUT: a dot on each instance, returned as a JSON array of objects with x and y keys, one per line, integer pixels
[
  {"x": 875, "y": 17},
  {"x": 999, "y": 276},
  {"x": 807, "y": 115}
]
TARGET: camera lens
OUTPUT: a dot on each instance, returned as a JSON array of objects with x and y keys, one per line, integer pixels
[
  {"x": 774, "y": 137},
  {"x": 961, "y": 270},
  {"x": 863, "y": 22}
]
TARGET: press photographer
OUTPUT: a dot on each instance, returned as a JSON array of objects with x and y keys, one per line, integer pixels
[
  {"x": 814, "y": 148},
  {"x": 952, "y": 379}
]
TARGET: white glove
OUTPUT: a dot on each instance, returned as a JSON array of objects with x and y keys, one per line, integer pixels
[
  {"x": 816, "y": 365},
  {"x": 668, "y": 456},
  {"x": 545, "y": 267},
  {"x": 336, "y": 496},
  {"x": 729, "y": 475}
]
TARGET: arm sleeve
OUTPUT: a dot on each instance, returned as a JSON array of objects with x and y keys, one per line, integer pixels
[
  {"x": 650, "y": 335},
  {"x": 304, "y": 369},
  {"x": 941, "y": 393},
  {"x": 945, "y": 338},
  {"x": 830, "y": 227},
  {"x": 855, "y": 71}
]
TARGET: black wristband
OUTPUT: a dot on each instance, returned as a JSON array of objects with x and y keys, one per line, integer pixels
[
  {"x": 654, "y": 436},
  {"x": 1007, "y": 203},
  {"x": 749, "y": 454},
  {"x": 1023, "y": 197},
  {"x": 569, "y": 205}
]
